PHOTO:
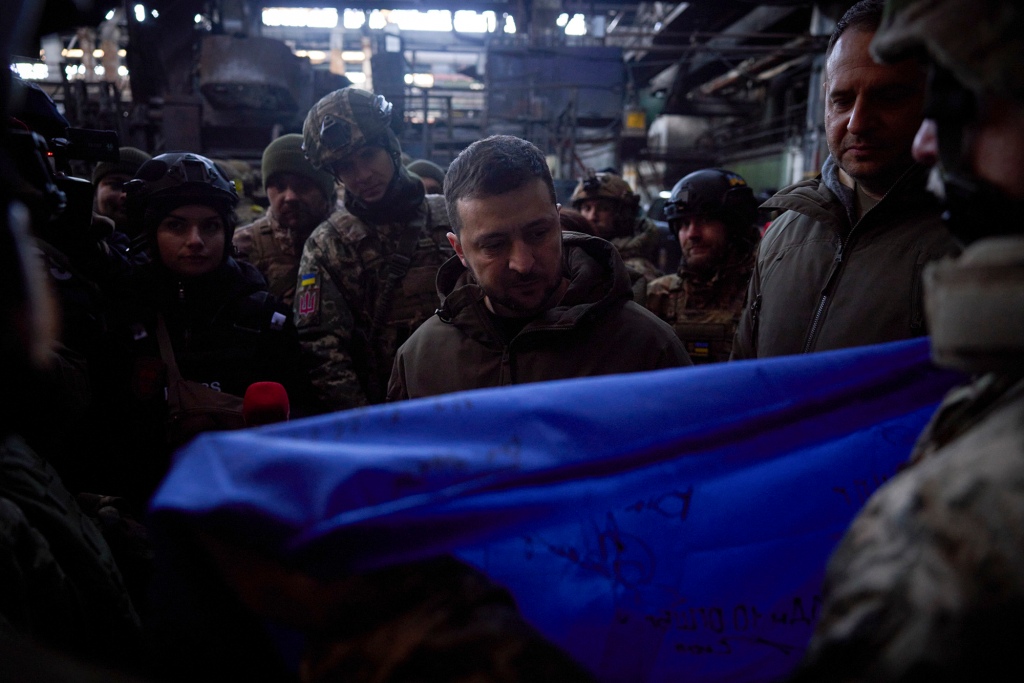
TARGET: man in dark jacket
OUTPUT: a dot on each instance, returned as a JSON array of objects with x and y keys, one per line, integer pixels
[
  {"x": 842, "y": 266},
  {"x": 928, "y": 583},
  {"x": 520, "y": 302}
]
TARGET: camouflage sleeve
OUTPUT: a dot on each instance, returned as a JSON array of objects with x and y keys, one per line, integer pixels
[
  {"x": 657, "y": 296},
  {"x": 325, "y": 323},
  {"x": 927, "y": 583},
  {"x": 243, "y": 243},
  {"x": 867, "y": 592}
]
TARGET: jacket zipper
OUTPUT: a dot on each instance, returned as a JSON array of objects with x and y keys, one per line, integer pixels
[
  {"x": 181, "y": 300},
  {"x": 837, "y": 263},
  {"x": 502, "y": 374},
  {"x": 832, "y": 276},
  {"x": 755, "y": 317},
  {"x": 506, "y": 354}
]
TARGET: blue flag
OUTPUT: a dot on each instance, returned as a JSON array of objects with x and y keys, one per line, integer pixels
[{"x": 661, "y": 526}]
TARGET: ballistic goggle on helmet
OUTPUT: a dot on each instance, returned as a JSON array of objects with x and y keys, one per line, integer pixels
[
  {"x": 342, "y": 122},
  {"x": 178, "y": 178},
  {"x": 712, "y": 192}
]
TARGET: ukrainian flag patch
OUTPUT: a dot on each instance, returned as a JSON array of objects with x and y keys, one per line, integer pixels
[{"x": 307, "y": 280}]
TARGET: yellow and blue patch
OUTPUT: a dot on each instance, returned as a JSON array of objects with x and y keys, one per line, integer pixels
[{"x": 307, "y": 298}]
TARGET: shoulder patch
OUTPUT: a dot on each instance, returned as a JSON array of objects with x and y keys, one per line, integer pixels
[{"x": 307, "y": 299}]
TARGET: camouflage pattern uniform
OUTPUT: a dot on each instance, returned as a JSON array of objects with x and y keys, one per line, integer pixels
[
  {"x": 639, "y": 251},
  {"x": 704, "y": 304},
  {"x": 272, "y": 248},
  {"x": 703, "y": 312},
  {"x": 345, "y": 265},
  {"x": 341, "y": 273},
  {"x": 638, "y": 240}
]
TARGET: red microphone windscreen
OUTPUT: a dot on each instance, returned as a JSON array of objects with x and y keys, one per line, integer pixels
[{"x": 264, "y": 403}]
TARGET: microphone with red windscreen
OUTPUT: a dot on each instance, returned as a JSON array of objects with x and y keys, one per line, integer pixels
[{"x": 264, "y": 403}]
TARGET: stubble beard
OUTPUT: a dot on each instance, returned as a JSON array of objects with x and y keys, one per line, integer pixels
[{"x": 516, "y": 307}]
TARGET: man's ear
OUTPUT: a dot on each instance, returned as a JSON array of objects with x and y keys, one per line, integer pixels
[{"x": 453, "y": 240}]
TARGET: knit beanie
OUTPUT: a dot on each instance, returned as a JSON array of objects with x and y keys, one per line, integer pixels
[
  {"x": 284, "y": 155},
  {"x": 425, "y": 168},
  {"x": 131, "y": 159}
]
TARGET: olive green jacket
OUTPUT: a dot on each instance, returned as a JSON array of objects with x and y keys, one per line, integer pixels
[
  {"x": 826, "y": 281},
  {"x": 596, "y": 329}
]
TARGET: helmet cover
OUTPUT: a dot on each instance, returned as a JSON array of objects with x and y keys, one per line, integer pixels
[
  {"x": 604, "y": 186},
  {"x": 985, "y": 56},
  {"x": 342, "y": 122}
]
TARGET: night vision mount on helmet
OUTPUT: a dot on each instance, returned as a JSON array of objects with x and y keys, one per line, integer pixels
[{"x": 604, "y": 186}]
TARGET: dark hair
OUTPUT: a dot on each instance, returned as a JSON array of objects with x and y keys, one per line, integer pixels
[
  {"x": 493, "y": 166},
  {"x": 865, "y": 16}
]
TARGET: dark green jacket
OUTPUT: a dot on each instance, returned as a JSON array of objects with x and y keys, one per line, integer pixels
[
  {"x": 826, "y": 281},
  {"x": 595, "y": 330}
]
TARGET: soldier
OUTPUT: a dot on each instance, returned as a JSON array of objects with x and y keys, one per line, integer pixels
[
  {"x": 108, "y": 179},
  {"x": 430, "y": 174},
  {"x": 842, "y": 266},
  {"x": 301, "y": 198},
  {"x": 928, "y": 583},
  {"x": 713, "y": 212},
  {"x": 611, "y": 206},
  {"x": 523, "y": 301},
  {"x": 366, "y": 279}
]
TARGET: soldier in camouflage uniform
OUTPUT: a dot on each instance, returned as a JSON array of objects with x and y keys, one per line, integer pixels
[
  {"x": 928, "y": 583},
  {"x": 611, "y": 206},
  {"x": 366, "y": 278},
  {"x": 713, "y": 212},
  {"x": 301, "y": 198}
]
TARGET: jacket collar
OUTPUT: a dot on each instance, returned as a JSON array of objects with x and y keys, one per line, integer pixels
[
  {"x": 825, "y": 199},
  {"x": 597, "y": 279}
]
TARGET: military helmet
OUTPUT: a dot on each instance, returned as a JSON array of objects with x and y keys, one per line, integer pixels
[
  {"x": 174, "y": 179},
  {"x": 985, "y": 56},
  {"x": 604, "y": 186},
  {"x": 715, "y": 192},
  {"x": 342, "y": 122}
]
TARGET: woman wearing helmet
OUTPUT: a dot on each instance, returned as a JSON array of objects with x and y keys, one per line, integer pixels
[{"x": 226, "y": 332}]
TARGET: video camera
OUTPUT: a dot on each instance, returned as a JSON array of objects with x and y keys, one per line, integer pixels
[
  {"x": 61, "y": 204},
  {"x": 84, "y": 144}
]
